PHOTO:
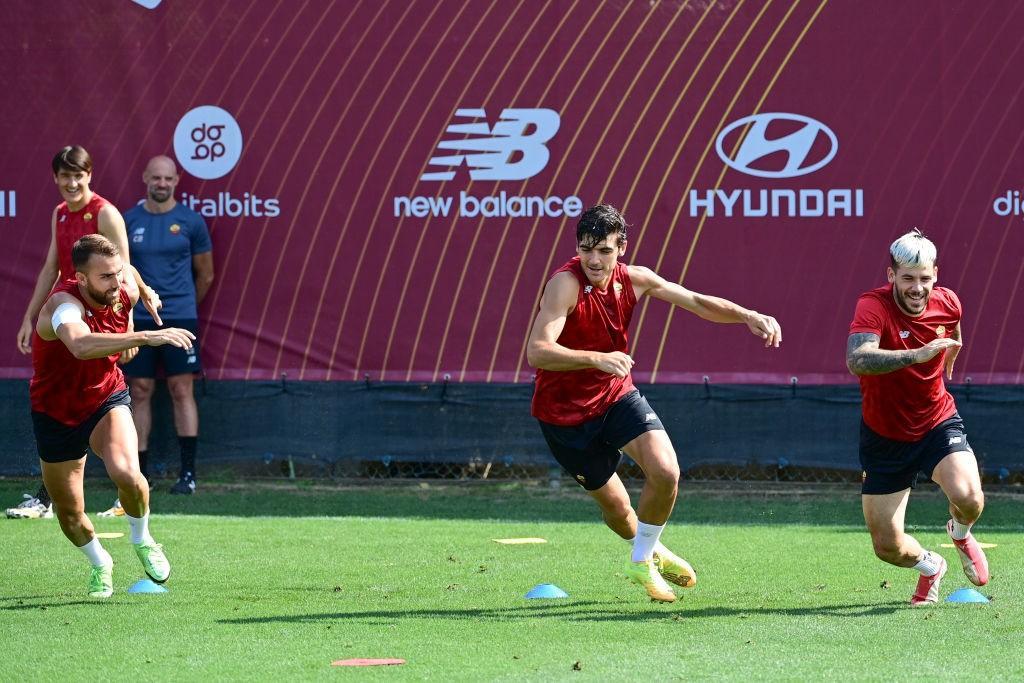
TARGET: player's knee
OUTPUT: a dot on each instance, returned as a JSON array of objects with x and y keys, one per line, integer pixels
[
  {"x": 970, "y": 502},
  {"x": 180, "y": 391},
  {"x": 665, "y": 475},
  {"x": 616, "y": 511},
  {"x": 71, "y": 518},
  {"x": 886, "y": 547},
  {"x": 141, "y": 391},
  {"x": 124, "y": 474}
]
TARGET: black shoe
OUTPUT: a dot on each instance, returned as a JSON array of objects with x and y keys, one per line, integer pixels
[{"x": 185, "y": 486}]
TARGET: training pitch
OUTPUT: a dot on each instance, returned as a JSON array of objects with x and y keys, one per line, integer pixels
[{"x": 278, "y": 582}]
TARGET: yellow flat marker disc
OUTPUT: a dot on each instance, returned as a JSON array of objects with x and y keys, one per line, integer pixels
[
  {"x": 518, "y": 541},
  {"x": 109, "y": 534},
  {"x": 980, "y": 545}
]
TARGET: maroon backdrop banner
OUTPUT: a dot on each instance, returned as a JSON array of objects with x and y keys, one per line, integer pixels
[{"x": 388, "y": 184}]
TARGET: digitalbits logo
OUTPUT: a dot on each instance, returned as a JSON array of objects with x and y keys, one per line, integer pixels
[{"x": 208, "y": 142}]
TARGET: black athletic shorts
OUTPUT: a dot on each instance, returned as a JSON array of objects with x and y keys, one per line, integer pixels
[
  {"x": 591, "y": 451},
  {"x": 173, "y": 360},
  {"x": 58, "y": 442},
  {"x": 890, "y": 466}
]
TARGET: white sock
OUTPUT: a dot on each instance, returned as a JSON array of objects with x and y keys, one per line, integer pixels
[
  {"x": 647, "y": 536},
  {"x": 140, "y": 528},
  {"x": 658, "y": 547},
  {"x": 928, "y": 565},
  {"x": 960, "y": 531},
  {"x": 96, "y": 554}
]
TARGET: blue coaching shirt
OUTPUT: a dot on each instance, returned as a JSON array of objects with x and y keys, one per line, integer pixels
[{"x": 161, "y": 246}]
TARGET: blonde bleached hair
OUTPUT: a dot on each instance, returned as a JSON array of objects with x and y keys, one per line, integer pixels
[{"x": 912, "y": 250}]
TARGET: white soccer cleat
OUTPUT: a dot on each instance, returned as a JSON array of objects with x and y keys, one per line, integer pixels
[{"x": 30, "y": 508}]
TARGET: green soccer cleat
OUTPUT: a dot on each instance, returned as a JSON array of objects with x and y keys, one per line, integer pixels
[
  {"x": 646, "y": 575},
  {"x": 675, "y": 569},
  {"x": 151, "y": 555},
  {"x": 101, "y": 581}
]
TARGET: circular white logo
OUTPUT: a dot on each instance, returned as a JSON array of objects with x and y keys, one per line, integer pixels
[{"x": 208, "y": 142}]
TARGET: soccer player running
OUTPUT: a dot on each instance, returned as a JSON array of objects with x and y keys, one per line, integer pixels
[
  {"x": 82, "y": 212},
  {"x": 902, "y": 337},
  {"x": 584, "y": 398},
  {"x": 79, "y": 400}
]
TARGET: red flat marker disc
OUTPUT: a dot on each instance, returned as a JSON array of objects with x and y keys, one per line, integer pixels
[{"x": 360, "y": 661}]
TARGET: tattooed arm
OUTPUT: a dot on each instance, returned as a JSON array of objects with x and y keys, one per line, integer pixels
[{"x": 863, "y": 357}]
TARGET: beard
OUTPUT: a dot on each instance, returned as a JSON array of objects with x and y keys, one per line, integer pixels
[
  {"x": 160, "y": 196},
  {"x": 107, "y": 298},
  {"x": 903, "y": 302}
]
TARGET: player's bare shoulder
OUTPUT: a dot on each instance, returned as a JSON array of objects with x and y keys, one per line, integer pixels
[
  {"x": 561, "y": 292},
  {"x": 44, "y": 324},
  {"x": 643, "y": 279}
]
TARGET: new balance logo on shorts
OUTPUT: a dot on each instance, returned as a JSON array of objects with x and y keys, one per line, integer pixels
[
  {"x": 488, "y": 152},
  {"x": 955, "y": 439},
  {"x": 650, "y": 417}
]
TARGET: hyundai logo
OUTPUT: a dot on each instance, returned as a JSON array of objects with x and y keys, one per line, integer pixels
[{"x": 797, "y": 145}]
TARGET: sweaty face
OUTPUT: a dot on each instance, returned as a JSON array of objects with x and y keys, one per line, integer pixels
[
  {"x": 161, "y": 178},
  {"x": 599, "y": 260},
  {"x": 102, "y": 279},
  {"x": 912, "y": 287},
  {"x": 73, "y": 185}
]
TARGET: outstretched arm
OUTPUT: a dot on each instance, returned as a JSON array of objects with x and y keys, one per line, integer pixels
[
  {"x": 713, "y": 308},
  {"x": 68, "y": 315},
  {"x": 543, "y": 350},
  {"x": 863, "y": 357}
]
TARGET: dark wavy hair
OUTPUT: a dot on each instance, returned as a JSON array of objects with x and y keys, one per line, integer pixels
[
  {"x": 597, "y": 223},
  {"x": 72, "y": 158}
]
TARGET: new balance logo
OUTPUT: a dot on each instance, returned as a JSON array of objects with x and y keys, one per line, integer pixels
[
  {"x": 650, "y": 417},
  {"x": 955, "y": 439},
  {"x": 904, "y": 334},
  {"x": 489, "y": 152},
  {"x": 8, "y": 204},
  {"x": 588, "y": 289}
]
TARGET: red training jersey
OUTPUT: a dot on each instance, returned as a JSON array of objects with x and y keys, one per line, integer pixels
[
  {"x": 68, "y": 389},
  {"x": 71, "y": 226},
  {"x": 597, "y": 323},
  {"x": 906, "y": 404}
]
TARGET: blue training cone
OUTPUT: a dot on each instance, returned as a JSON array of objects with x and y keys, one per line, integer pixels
[
  {"x": 966, "y": 595},
  {"x": 146, "y": 586},
  {"x": 546, "y": 590}
]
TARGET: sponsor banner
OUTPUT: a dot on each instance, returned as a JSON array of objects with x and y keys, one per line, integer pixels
[{"x": 389, "y": 185}]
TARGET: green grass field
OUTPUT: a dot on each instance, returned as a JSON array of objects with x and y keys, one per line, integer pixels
[{"x": 276, "y": 582}]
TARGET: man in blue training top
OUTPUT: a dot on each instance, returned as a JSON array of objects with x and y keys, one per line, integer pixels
[{"x": 170, "y": 246}]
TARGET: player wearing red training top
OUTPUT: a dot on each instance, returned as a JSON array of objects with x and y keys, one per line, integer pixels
[
  {"x": 902, "y": 337},
  {"x": 584, "y": 398},
  {"x": 82, "y": 212},
  {"x": 79, "y": 400}
]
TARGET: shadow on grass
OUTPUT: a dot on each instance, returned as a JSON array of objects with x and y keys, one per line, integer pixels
[
  {"x": 575, "y": 611},
  {"x": 45, "y": 605}
]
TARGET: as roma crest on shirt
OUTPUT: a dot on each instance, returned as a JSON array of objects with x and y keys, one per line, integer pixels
[
  {"x": 175, "y": 229},
  {"x": 87, "y": 216},
  {"x": 117, "y": 307},
  {"x": 617, "y": 287},
  {"x": 940, "y": 331}
]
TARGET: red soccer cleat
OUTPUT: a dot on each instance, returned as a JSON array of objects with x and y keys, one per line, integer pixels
[
  {"x": 971, "y": 556},
  {"x": 927, "y": 592}
]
